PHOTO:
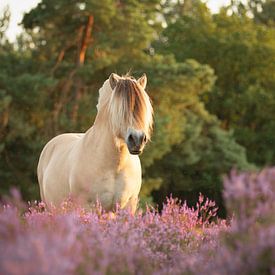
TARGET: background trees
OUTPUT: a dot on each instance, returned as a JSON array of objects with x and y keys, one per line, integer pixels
[
  {"x": 211, "y": 79},
  {"x": 241, "y": 52}
]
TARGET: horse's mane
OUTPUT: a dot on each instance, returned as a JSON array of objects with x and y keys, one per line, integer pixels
[{"x": 130, "y": 105}]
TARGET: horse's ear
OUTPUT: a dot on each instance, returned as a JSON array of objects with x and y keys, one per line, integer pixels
[
  {"x": 142, "y": 81},
  {"x": 113, "y": 79}
]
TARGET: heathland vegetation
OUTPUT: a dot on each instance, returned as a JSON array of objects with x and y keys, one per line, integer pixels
[
  {"x": 179, "y": 240},
  {"x": 211, "y": 79}
]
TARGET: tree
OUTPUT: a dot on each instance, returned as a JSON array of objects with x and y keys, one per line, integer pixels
[
  {"x": 241, "y": 52},
  {"x": 263, "y": 11}
]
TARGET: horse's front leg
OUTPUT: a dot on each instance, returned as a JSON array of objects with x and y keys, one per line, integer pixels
[{"x": 132, "y": 204}]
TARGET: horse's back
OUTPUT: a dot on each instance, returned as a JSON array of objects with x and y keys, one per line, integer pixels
[{"x": 54, "y": 165}]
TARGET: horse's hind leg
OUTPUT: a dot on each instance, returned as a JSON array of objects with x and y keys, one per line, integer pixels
[{"x": 42, "y": 163}]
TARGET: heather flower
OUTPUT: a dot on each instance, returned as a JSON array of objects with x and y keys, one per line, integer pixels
[{"x": 177, "y": 240}]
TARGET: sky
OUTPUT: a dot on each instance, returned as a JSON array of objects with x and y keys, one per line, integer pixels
[{"x": 18, "y": 8}]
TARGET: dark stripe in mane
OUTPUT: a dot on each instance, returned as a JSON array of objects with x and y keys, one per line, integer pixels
[{"x": 129, "y": 91}]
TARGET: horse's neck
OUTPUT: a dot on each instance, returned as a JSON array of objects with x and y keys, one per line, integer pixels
[{"x": 100, "y": 143}]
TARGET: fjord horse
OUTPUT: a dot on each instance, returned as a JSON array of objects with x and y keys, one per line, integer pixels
[{"x": 101, "y": 164}]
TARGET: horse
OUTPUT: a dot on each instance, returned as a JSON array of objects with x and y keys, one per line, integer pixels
[{"x": 103, "y": 163}]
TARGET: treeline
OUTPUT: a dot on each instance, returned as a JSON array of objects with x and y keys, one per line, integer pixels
[{"x": 211, "y": 79}]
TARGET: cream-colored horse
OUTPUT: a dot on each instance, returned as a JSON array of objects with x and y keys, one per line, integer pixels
[{"x": 103, "y": 163}]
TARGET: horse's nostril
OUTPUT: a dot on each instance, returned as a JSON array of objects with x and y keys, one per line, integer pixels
[{"x": 131, "y": 138}]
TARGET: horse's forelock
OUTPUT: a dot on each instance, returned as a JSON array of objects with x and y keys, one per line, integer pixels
[{"x": 130, "y": 105}]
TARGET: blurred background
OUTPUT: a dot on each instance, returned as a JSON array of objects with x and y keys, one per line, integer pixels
[{"x": 211, "y": 76}]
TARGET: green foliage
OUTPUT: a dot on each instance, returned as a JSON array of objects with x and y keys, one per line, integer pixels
[
  {"x": 4, "y": 23},
  {"x": 242, "y": 54},
  {"x": 263, "y": 11}
]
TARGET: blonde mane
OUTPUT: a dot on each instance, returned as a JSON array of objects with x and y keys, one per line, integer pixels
[{"x": 130, "y": 106}]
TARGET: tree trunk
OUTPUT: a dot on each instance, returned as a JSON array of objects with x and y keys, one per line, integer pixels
[
  {"x": 84, "y": 40},
  {"x": 62, "y": 100},
  {"x": 186, "y": 7}
]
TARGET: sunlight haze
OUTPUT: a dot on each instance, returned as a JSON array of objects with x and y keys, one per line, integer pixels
[{"x": 18, "y": 8}]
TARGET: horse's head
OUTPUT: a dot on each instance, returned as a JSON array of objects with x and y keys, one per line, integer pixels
[{"x": 129, "y": 109}]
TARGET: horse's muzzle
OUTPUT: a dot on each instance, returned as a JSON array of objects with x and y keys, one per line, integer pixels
[{"x": 135, "y": 142}]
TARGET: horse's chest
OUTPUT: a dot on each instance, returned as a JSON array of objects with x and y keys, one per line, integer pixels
[{"x": 118, "y": 189}]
